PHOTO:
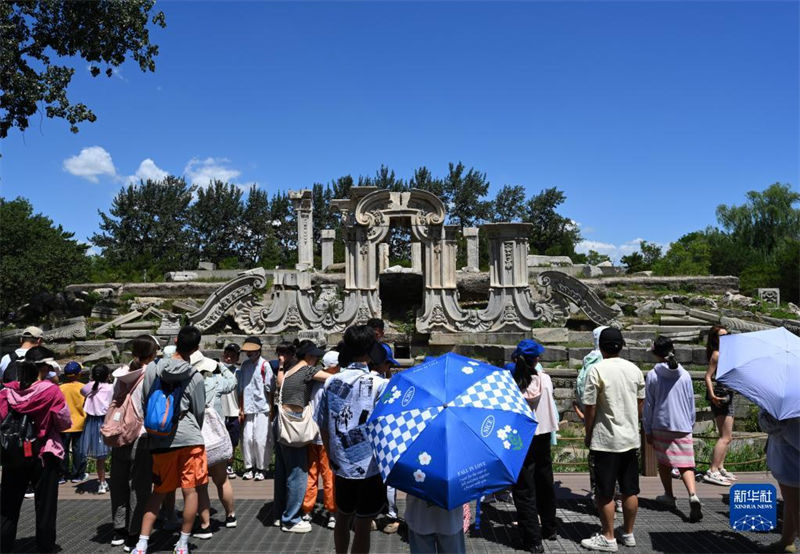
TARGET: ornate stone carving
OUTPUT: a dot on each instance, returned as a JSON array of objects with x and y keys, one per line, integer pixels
[
  {"x": 580, "y": 295},
  {"x": 226, "y": 296},
  {"x": 771, "y": 296}
]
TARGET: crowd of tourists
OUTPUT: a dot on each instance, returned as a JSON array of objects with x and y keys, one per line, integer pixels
[{"x": 171, "y": 418}]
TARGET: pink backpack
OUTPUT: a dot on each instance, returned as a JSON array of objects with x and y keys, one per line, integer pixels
[{"x": 122, "y": 424}]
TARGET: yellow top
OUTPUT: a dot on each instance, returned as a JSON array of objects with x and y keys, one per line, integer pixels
[{"x": 74, "y": 398}]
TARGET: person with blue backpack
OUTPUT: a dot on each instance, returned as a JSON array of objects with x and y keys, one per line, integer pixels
[{"x": 173, "y": 403}]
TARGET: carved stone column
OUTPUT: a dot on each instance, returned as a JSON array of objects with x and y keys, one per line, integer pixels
[
  {"x": 383, "y": 257},
  {"x": 328, "y": 236},
  {"x": 416, "y": 257},
  {"x": 471, "y": 234},
  {"x": 304, "y": 209}
]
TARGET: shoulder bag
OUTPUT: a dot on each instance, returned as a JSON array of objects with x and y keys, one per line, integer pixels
[{"x": 295, "y": 431}]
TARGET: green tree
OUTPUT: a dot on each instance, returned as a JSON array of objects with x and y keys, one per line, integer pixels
[
  {"x": 464, "y": 192},
  {"x": 147, "y": 228},
  {"x": 38, "y": 256},
  {"x": 36, "y": 34},
  {"x": 596, "y": 258},
  {"x": 689, "y": 255},
  {"x": 509, "y": 204},
  {"x": 215, "y": 221},
  {"x": 424, "y": 180},
  {"x": 552, "y": 233},
  {"x": 649, "y": 253},
  {"x": 765, "y": 219}
]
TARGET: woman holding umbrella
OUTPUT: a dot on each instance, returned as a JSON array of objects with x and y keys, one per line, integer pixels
[
  {"x": 721, "y": 398},
  {"x": 534, "y": 495}
]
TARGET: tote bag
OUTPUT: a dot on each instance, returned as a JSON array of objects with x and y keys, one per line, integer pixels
[
  {"x": 218, "y": 443},
  {"x": 295, "y": 431}
]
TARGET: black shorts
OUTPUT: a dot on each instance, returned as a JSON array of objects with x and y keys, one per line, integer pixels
[
  {"x": 362, "y": 497},
  {"x": 611, "y": 468},
  {"x": 726, "y": 409}
]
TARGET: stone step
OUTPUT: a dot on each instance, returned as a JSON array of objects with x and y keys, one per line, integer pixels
[
  {"x": 140, "y": 325},
  {"x": 682, "y": 320}
]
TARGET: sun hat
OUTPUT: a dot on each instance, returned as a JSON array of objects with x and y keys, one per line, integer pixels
[
  {"x": 389, "y": 356},
  {"x": 528, "y": 349},
  {"x": 206, "y": 365},
  {"x": 251, "y": 344},
  {"x": 330, "y": 359}
]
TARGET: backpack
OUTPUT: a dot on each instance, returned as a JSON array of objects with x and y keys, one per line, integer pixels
[
  {"x": 163, "y": 407},
  {"x": 122, "y": 424},
  {"x": 18, "y": 443},
  {"x": 12, "y": 369}
]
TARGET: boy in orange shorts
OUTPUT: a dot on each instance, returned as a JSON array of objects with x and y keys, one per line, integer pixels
[{"x": 179, "y": 455}]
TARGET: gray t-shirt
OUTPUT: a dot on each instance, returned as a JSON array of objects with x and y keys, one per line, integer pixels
[{"x": 296, "y": 389}]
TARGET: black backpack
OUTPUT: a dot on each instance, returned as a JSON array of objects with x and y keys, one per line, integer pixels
[
  {"x": 18, "y": 442},
  {"x": 12, "y": 369}
]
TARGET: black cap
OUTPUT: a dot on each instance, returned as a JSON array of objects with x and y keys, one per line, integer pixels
[
  {"x": 611, "y": 338},
  {"x": 232, "y": 346},
  {"x": 309, "y": 349}
]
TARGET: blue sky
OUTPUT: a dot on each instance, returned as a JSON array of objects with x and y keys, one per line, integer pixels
[{"x": 646, "y": 114}]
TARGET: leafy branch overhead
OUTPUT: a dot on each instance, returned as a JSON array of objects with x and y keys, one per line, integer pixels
[{"x": 37, "y": 37}]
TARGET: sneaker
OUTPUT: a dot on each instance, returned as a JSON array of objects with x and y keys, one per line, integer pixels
[
  {"x": 599, "y": 542},
  {"x": 203, "y": 533},
  {"x": 81, "y": 479},
  {"x": 666, "y": 500},
  {"x": 628, "y": 539},
  {"x": 306, "y": 517},
  {"x": 118, "y": 539},
  {"x": 695, "y": 509},
  {"x": 276, "y": 523},
  {"x": 230, "y": 521},
  {"x": 727, "y": 474},
  {"x": 716, "y": 478},
  {"x": 179, "y": 549},
  {"x": 618, "y": 506},
  {"x": 102, "y": 488},
  {"x": 29, "y": 493},
  {"x": 331, "y": 521},
  {"x": 61, "y": 481},
  {"x": 299, "y": 527},
  {"x": 127, "y": 548},
  {"x": 231, "y": 473},
  {"x": 391, "y": 527},
  {"x": 259, "y": 476},
  {"x": 247, "y": 475},
  {"x": 537, "y": 548},
  {"x": 676, "y": 473}
]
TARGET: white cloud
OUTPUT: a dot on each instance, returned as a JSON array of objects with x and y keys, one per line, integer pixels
[
  {"x": 613, "y": 251},
  {"x": 202, "y": 172},
  {"x": 92, "y": 162},
  {"x": 147, "y": 170}
]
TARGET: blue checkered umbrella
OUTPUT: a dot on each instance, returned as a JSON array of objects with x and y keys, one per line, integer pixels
[{"x": 451, "y": 430}]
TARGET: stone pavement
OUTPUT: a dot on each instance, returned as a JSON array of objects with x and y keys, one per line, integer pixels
[{"x": 84, "y": 524}]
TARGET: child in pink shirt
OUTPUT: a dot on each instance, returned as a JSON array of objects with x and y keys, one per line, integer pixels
[{"x": 98, "y": 393}]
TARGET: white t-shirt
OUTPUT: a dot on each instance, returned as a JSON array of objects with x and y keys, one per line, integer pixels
[
  {"x": 7, "y": 359},
  {"x": 614, "y": 386}
]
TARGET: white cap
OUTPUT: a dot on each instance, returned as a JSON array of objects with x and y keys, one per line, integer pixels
[
  {"x": 169, "y": 350},
  {"x": 330, "y": 359}
]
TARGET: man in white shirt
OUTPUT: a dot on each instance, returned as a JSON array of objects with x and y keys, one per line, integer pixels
[
  {"x": 31, "y": 336},
  {"x": 614, "y": 397}
]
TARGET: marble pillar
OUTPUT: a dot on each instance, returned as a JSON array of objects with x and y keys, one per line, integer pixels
[
  {"x": 383, "y": 257},
  {"x": 304, "y": 209},
  {"x": 328, "y": 236},
  {"x": 416, "y": 257},
  {"x": 471, "y": 234}
]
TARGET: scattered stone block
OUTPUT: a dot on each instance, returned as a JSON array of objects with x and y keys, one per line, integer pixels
[
  {"x": 180, "y": 276},
  {"x": 74, "y": 328},
  {"x": 130, "y": 316},
  {"x": 770, "y": 296},
  {"x": 86, "y": 347},
  {"x": 139, "y": 325},
  {"x": 549, "y": 335},
  {"x": 188, "y": 306},
  {"x": 109, "y": 354},
  {"x": 554, "y": 354},
  {"x": 206, "y": 266},
  {"x": 104, "y": 312}
]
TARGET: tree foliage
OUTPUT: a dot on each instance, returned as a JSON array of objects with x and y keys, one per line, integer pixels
[
  {"x": 146, "y": 228},
  {"x": 38, "y": 256},
  {"x": 36, "y": 34},
  {"x": 215, "y": 221},
  {"x": 509, "y": 204},
  {"x": 552, "y": 233},
  {"x": 643, "y": 259}
]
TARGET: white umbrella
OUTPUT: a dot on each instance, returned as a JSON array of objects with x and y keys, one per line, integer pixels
[{"x": 764, "y": 366}]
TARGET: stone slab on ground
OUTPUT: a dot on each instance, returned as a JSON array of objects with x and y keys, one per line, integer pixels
[
  {"x": 86, "y": 347},
  {"x": 84, "y": 525},
  {"x": 130, "y": 316}
]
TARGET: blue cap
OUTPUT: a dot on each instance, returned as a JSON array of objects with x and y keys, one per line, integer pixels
[
  {"x": 528, "y": 349},
  {"x": 389, "y": 356},
  {"x": 72, "y": 368}
]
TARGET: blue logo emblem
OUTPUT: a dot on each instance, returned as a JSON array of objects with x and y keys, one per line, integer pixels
[{"x": 753, "y": 508}]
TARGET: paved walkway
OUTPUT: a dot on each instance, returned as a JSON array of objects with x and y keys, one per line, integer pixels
[{"x": 84, "y": 524}]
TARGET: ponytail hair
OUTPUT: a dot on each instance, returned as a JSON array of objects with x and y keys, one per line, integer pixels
[
  {"x": 143, "y": 347},
  {"x": 100, "y": 374},
  {"x": 28, "y": 373},
  {"x": 664, "y": 348}
]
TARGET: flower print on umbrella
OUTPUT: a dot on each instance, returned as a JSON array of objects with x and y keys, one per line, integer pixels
[
  {"x": 391, "y": 395},
  {"x": 467, "y": 370},
  {"x": 419, "y": 476},
  {"x": 425, "y": 459},
  {"x": 510, "y": 437}
]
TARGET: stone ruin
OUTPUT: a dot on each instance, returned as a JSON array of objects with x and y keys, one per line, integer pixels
[{"x": 366, "y": 218}]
